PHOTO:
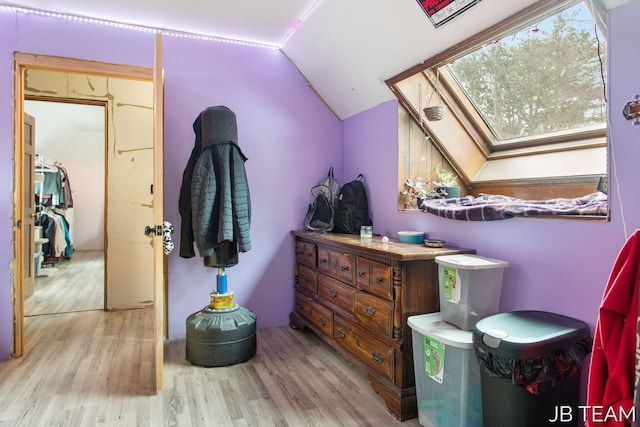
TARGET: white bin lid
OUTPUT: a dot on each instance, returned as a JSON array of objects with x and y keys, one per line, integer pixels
[
  {"x": 432, "y": 326},
  {"x": 470, "y": 262}
]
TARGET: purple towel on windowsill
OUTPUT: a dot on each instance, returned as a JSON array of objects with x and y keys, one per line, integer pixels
[{"x": 490, "y": 207}]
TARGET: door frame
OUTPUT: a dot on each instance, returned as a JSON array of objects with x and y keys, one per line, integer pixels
[
  {"x": 23, "y": 62},
  {"x": 160, "y": 259}
]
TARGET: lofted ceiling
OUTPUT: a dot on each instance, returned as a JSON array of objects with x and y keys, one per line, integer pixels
[
  {"x": 346, "y": 49},
  {"x": 72, "y": 133}
]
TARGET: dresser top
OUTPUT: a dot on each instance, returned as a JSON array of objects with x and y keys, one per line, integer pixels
[{"x": 392, "y": 249}]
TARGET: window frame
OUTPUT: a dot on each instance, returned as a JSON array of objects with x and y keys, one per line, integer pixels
[{"x": 556, "y": 144}]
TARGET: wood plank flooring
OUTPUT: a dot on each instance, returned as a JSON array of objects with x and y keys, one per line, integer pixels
[
  {"x": 94, "y": 368},
  {"x": 76, "y": 284}
]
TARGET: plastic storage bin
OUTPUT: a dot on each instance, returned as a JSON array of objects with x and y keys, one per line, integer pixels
[
  {"x": 447, "y": 373},
  {"x": 530, "y": 368},
  {"x": 470, "y": 287}
]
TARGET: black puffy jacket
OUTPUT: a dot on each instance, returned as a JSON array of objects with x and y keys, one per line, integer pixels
[{"x": 214, "y": 204}]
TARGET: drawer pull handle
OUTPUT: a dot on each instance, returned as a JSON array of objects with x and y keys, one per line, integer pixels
[
  {"x": 379, "y": 280},
  {"x": 370, "y": 311},
  {"x": 377, "y": 357},
  {"x": 323, "y": 322},
  {"x": 299, "y": 305},
  {"x": 333, "y": 293},
  {"x": 305, "y": 279},
  {"x": 360, "y": 273},
  {"x": 344, "y": 268},
  {"x": 323, "y": 260},
  {"x": 341, "y": 334}
]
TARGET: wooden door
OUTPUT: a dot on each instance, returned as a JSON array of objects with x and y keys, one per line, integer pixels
[
  {"x": 28, "y": 234},
  {"x": 128, "y": 254},
  {"x": 121, "y": 79},
  {"x": 23, "y": 234},
  {"x": 158, "y": 212}
]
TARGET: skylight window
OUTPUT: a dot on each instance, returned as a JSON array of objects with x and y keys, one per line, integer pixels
[
  {"x": 525, "y": 108},
  {"x": 545, "y": 79}
]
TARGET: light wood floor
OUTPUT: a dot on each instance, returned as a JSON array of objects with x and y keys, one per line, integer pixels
[
  {"x": 76, "y": 284},
  {"x": 92, "y": 368}
]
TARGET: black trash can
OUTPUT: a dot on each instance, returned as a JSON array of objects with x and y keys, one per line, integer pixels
[{"x": 530, "y": 363}]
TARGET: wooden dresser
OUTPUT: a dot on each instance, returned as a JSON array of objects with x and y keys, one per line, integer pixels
[{"x": 357, "y": 295}]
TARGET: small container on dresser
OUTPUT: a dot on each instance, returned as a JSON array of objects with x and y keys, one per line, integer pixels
[{"x": 356, "y": 295}]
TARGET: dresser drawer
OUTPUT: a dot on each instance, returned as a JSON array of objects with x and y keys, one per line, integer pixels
[
  {"x": 306, "y": 253},
  {"x": 322, "y": 317},
  {"x": 307, "y": 278},
  {"x": 375, "y": 354},
  {"x": 338, "y": 265},
  {"x": 336, "y": 292},
  {"x": 374, "y": 312},
  {"x": 324, "y": 262},
  {"x": 303, "y": 305},
  {"x": 346, "y": 268},
  {"x": 375, "y": 277}
]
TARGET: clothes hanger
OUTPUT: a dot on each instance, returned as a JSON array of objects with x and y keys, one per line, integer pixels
[{"x": 43, "y": 165}]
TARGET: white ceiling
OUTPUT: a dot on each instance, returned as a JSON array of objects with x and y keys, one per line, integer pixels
[
  {"x": 346, "y": 49},
  {"x": 69, "y": 133}
]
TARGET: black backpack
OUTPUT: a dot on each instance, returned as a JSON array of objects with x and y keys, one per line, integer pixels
[
  {"x": 321, "y": 213},
  {"x": 352, "y": 208}
]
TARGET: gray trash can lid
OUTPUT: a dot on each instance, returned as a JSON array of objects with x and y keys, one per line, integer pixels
[{"x": 527, "y": 334}]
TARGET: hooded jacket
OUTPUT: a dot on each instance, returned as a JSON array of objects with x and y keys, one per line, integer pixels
[
  {"x": 613, "y": 361},
  {"x": 214, "y": 203}
]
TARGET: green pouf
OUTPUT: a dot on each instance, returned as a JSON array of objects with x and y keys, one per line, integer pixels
[{"x": 221, "y": 337}]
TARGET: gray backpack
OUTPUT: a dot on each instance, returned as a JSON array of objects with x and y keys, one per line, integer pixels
[{"x": 321, "y": 213}]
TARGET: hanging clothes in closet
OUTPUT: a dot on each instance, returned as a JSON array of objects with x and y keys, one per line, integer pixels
[
  {"x": 55, "y": 228},
  {"x": 56, "y": 188},
  {"x": 54, "y": 207}
]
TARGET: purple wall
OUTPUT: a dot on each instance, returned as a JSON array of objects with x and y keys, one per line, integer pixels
[
  {"x": 7, "y": 41},
  {"x": 555, "y": 265},
  {"x": 290, "y": 137}
]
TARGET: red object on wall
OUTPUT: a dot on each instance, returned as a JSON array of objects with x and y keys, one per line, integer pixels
[
  {"x": 432, "y": 6},
  {"x": 441, "y": 11}
]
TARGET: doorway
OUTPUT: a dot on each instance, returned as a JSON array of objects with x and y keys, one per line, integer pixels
[
  {"x": 70, "y": 145},
  {"x": 129, "y": 94},
  {"x": 134, "y": 269}
]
